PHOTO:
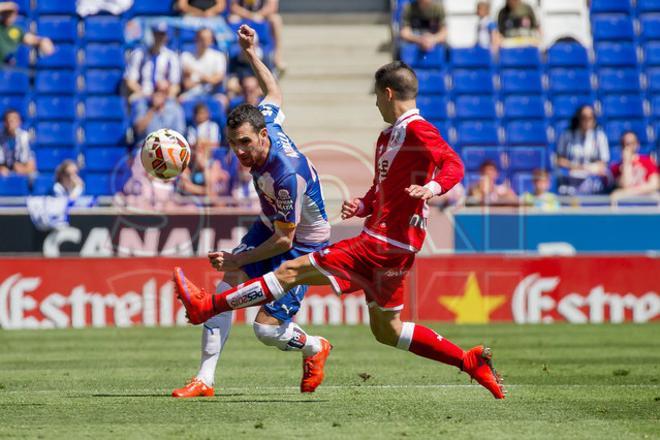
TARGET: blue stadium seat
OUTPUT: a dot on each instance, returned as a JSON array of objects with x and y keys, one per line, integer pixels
[
  {"x": 56, "y": 82},
  {"x": 652, "y": 53},
  {"x": 106, "y": 56},
  {"x": 475, "y": 107},
  {"x": 472, "y": 82},
  {"x": 151, "y": 7},
  {"x": 42, "y": 185},
  {"x": 56, "y": 133},
  {"x": 521, "y": 81},
  {"x": 99, "y": 184},
  {"x": 571, "y": 80},
  {"x": 49, "y": 158},
  {"x": 23, "y": 56},
  {"x": 414, "y": 56},
  {"x": 520, "y": 57},
  {"x": 58, "y": 28},
  {"x": 473, "y": 157},
  {"x": 623, "y": 106},
  {"x": 614, "y": 130},
  {"x": 616, "y": 54},
  {"x": 17, "y": 102},
  {"x": 104, "y": 28},
  {"x": 215, "y": 109},
  {"x": 522, "y": 183},
  {"x": 655, "y": 109},
  {"x": 471, "y": 58},
  {"x": 55, "y": 7},
  {"x": 13, "y": 82},
  {"x": 612, "y": 28},
  {"x": 653, "y": 80},
  {"x": 477, "y": 133},
  {"x": 102, "y": 81},
  {"x": 23, "y": 6},
  {"x": 618, "y": 81},
  {"x": 610, "y": 6},
  {"x": 644, "y": 6},
  {"x": 64, "y": 57},
  {"x": 55, "y": 108},
  {"x": 105, "y": 107},
  {"x": 526, "y": 133},
  {"x": 567, "y": 55},
  {"x": 431, "y": 82},
  {"x": 564, "y": 106},
  {"x": 101, "y": 159},
  {"x": 524, "y": 107},
  {"x": 104, "y": 133},
  {"x": 14, "y": 185},
  {"x": 432, "y": 107},
  {"x": 527, "y": 159},
  {"x": 187, "y": 35},
  {"x": 650, "y": 24}
]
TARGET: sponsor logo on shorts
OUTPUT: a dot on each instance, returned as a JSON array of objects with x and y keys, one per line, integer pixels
[
  {"x": 246, "y": 296},
  {"x": 418, "y": 221},
  {"x": 392, "y": 273}
]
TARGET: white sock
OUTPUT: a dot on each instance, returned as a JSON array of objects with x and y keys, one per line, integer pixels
[
  {"x": 288, "y": 337},
  {"x": 214, "y": 336}
]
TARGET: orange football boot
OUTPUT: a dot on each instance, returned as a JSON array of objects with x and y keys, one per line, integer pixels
[
  {"x": 313, "y": 368},
  {"x": 194, "y": 388},
  {"x": 198, "y": 302},
  {"x": 478, "y": 363}
]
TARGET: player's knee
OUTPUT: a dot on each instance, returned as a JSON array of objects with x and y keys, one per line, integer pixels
[
  {"x": 268, "y": 334},
  {"x": 385, "y": 334}
]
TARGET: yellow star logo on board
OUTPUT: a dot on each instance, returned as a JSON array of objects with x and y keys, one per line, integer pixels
[{"x": 472, "y": 307}]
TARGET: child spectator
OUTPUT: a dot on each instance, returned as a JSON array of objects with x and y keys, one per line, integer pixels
[
  {"x": 636, "y": 174},
  {"x": 423, "y": 23},
  {"x": 204, "y": 71},
  {"x": 487, "y": 191},
  {"x": 260, "y": 10},
  {"x": 15, "y": 153},
  {"x": 205, "y": 132},
  {"x": 516, "y": 21},
  {"x": 200, "y": 8},
  {"x": 488, "y": 37},
  {"x": 249, "y": 93},
  {"x": 11, "y": 36},
  {"x": 542, "y": 198},
  {"x": 67, "y": 181}
]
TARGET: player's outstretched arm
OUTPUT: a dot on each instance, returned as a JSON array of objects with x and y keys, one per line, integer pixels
[{"x": 267, "y": 82}]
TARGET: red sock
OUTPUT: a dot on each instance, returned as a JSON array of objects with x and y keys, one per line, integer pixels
[
  {"x": 426, "y": 343},
  {"x": 254, "y": 292}
]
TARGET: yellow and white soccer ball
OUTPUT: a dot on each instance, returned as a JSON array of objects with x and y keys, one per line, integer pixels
[{"x": 165, "y": 153}]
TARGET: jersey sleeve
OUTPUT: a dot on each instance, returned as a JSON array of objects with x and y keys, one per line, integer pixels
[
  {"x": 450, "y": 169},
  {"x": 272, "y": 113},
  {"x": 289, "y": 193}
]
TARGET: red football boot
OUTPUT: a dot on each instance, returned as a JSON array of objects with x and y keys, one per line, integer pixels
[
  {"x": 194, "y": 388},
  {"x": 478, "y": 363},
  {"x": 313, "y": 368},
  {"x": 198, "y": 302}
]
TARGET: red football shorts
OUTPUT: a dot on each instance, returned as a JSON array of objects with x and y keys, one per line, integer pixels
[{"x": 366, "y": 263}]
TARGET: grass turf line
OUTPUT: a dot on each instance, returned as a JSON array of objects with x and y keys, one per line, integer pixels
[{"x": 565, "y": 381}]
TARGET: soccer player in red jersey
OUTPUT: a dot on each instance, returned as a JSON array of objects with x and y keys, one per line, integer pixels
[{"x": 413, "y": 164}]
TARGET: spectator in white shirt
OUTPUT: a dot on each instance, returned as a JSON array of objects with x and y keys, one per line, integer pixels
[
  {"x": 205, "y": 132},
  {"x": 204, "y": 71},
  {"x": 15, "y": 153},
  {"x": 488, "y": 37},
  {"x": 148, "y": 67},
  {"x": 67, "y": 181}
]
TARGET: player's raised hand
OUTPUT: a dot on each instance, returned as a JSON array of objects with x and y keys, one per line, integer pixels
[
  {"x": 246, "y": 37},
  {"x": 350, "y": 208},
  {"x": 419, "y": 192},
  {"x": 224, "y": 261}
]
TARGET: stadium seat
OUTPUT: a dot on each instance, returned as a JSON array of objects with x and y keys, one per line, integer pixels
[
  {"x": 520, "y": 57},
  {"x": 475, "y": 107},
  {"x": 98, "y": 184},
  {"x": 102, "y": 159},
  {"x": 477, "y": 133},
  {"x": 102, "y": 81},
  {"x": 521, "y": 81},
  {"x": 55, "y": 7},
  {"x": 524, "y": 107},
  {"x": 414, "y": 56},
  {"x": 612, "y": 28},
  {"x": 56, "y": 133},
  {"x": 104, "y": 133},
  {"x": 564, "y": 106},
  {"x": 567, "y": 55},
  {"x": 522, "y": 183},
  {"x": 23, "y": 56},
  {"x": 64, "y": 57},
  {"x": 17, "y": 102},
  {"x": 13, "y": 82},
  {"x": 55, "y": 108},
  {"x": 23, "y": 6},
  {"x": 653, "y": 80},
  {"x": 432, "y": 107},
  {"x": 14, "y": 185},
  {"x": 104, "y": 28},
  {"x": 105, "y": 107},
  {"x": 611, "y": 6},
  {"x": 106, "y": 56},
  {"x": 571, "y": 80},
  {"x": 527, "y": 159},
  {"x": 470, "y": 58},
  {"x": 644, "y": 6},
  {"x": 49, "y": 158},
  {"x": 431, "y": 82},
  {"x": 618, "y": 81},
  {"x": 623, "y": 106},
  {"x": 56, "y": 82},
  {"x": 616, "y": 54},
  {"x": 614, "y": 130},
  {"x": 42, "y": 185},
  {"x": 151, "y": 7},
  {"x": 655, "y": 109},
  {"x": 652, "y": 53},
  {"x": 472, "y": 82},
  {"x": 215, "y": 109},
  {"x": 473, "y": 157},
  {"x": 58, "y": 28},
  {"x": 526, "y": 133},
  {"x": 650, "y": 27}
]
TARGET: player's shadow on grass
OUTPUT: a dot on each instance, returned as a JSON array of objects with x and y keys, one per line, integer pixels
[
  {"x": 157, "y": 395},
  {"x": 263, "y": 401}
]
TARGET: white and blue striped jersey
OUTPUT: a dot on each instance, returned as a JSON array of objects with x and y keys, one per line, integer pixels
[{"x": 288, "y": 185}]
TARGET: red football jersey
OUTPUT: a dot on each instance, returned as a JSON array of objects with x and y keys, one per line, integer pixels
[{"x": 411, "y": 152}]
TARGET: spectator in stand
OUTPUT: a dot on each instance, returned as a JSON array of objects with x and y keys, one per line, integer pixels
[
  {"x": 149, "y": 69},
  {"x": 250, "y": 93},
  {"x": 201, "y": 8},
  {"x": 487, "y": 191},
  {"x": 204, "y": 71},
  {"x": 423, "y": 23},
  {"x": 517, "y": 23},
  {"x": 243, "y": 190},
  {"x": 143, "y": 191},
  {"x": 158, "y": 112},
  {"x": 260, "y": 10},
  {"x": 636, "y": 174},
  {"x": 542, "y": 198},
  {"x": 205, "y": 132},
  {"x": 488, "y": 37},
  {"x": 582, "y": 155},
  {"x": 15, "y": 153},
  {"x": 67, "y": 181},
  {"x": 11, "y": 36}
]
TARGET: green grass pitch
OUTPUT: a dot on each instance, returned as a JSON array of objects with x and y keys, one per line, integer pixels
[{"x": 564, "y": 381}]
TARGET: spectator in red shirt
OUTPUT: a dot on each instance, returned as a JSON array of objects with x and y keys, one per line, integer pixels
[{"x": 636, "y": 174}]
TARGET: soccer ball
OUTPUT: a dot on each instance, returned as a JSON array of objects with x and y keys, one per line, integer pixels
[{"x": 165, "y": 153}]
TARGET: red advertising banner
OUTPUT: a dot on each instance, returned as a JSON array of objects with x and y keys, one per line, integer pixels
[{"x": 77, "y": 292}]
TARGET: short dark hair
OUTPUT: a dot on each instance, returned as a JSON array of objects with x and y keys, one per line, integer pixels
[
  {"x": 486, "y": 164},
  {"x": 199, "y": 107},
  {"x": 246, "y": 113},
  {"x": 9, "y": 111},
  {"x": 399, "y": 77}
]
